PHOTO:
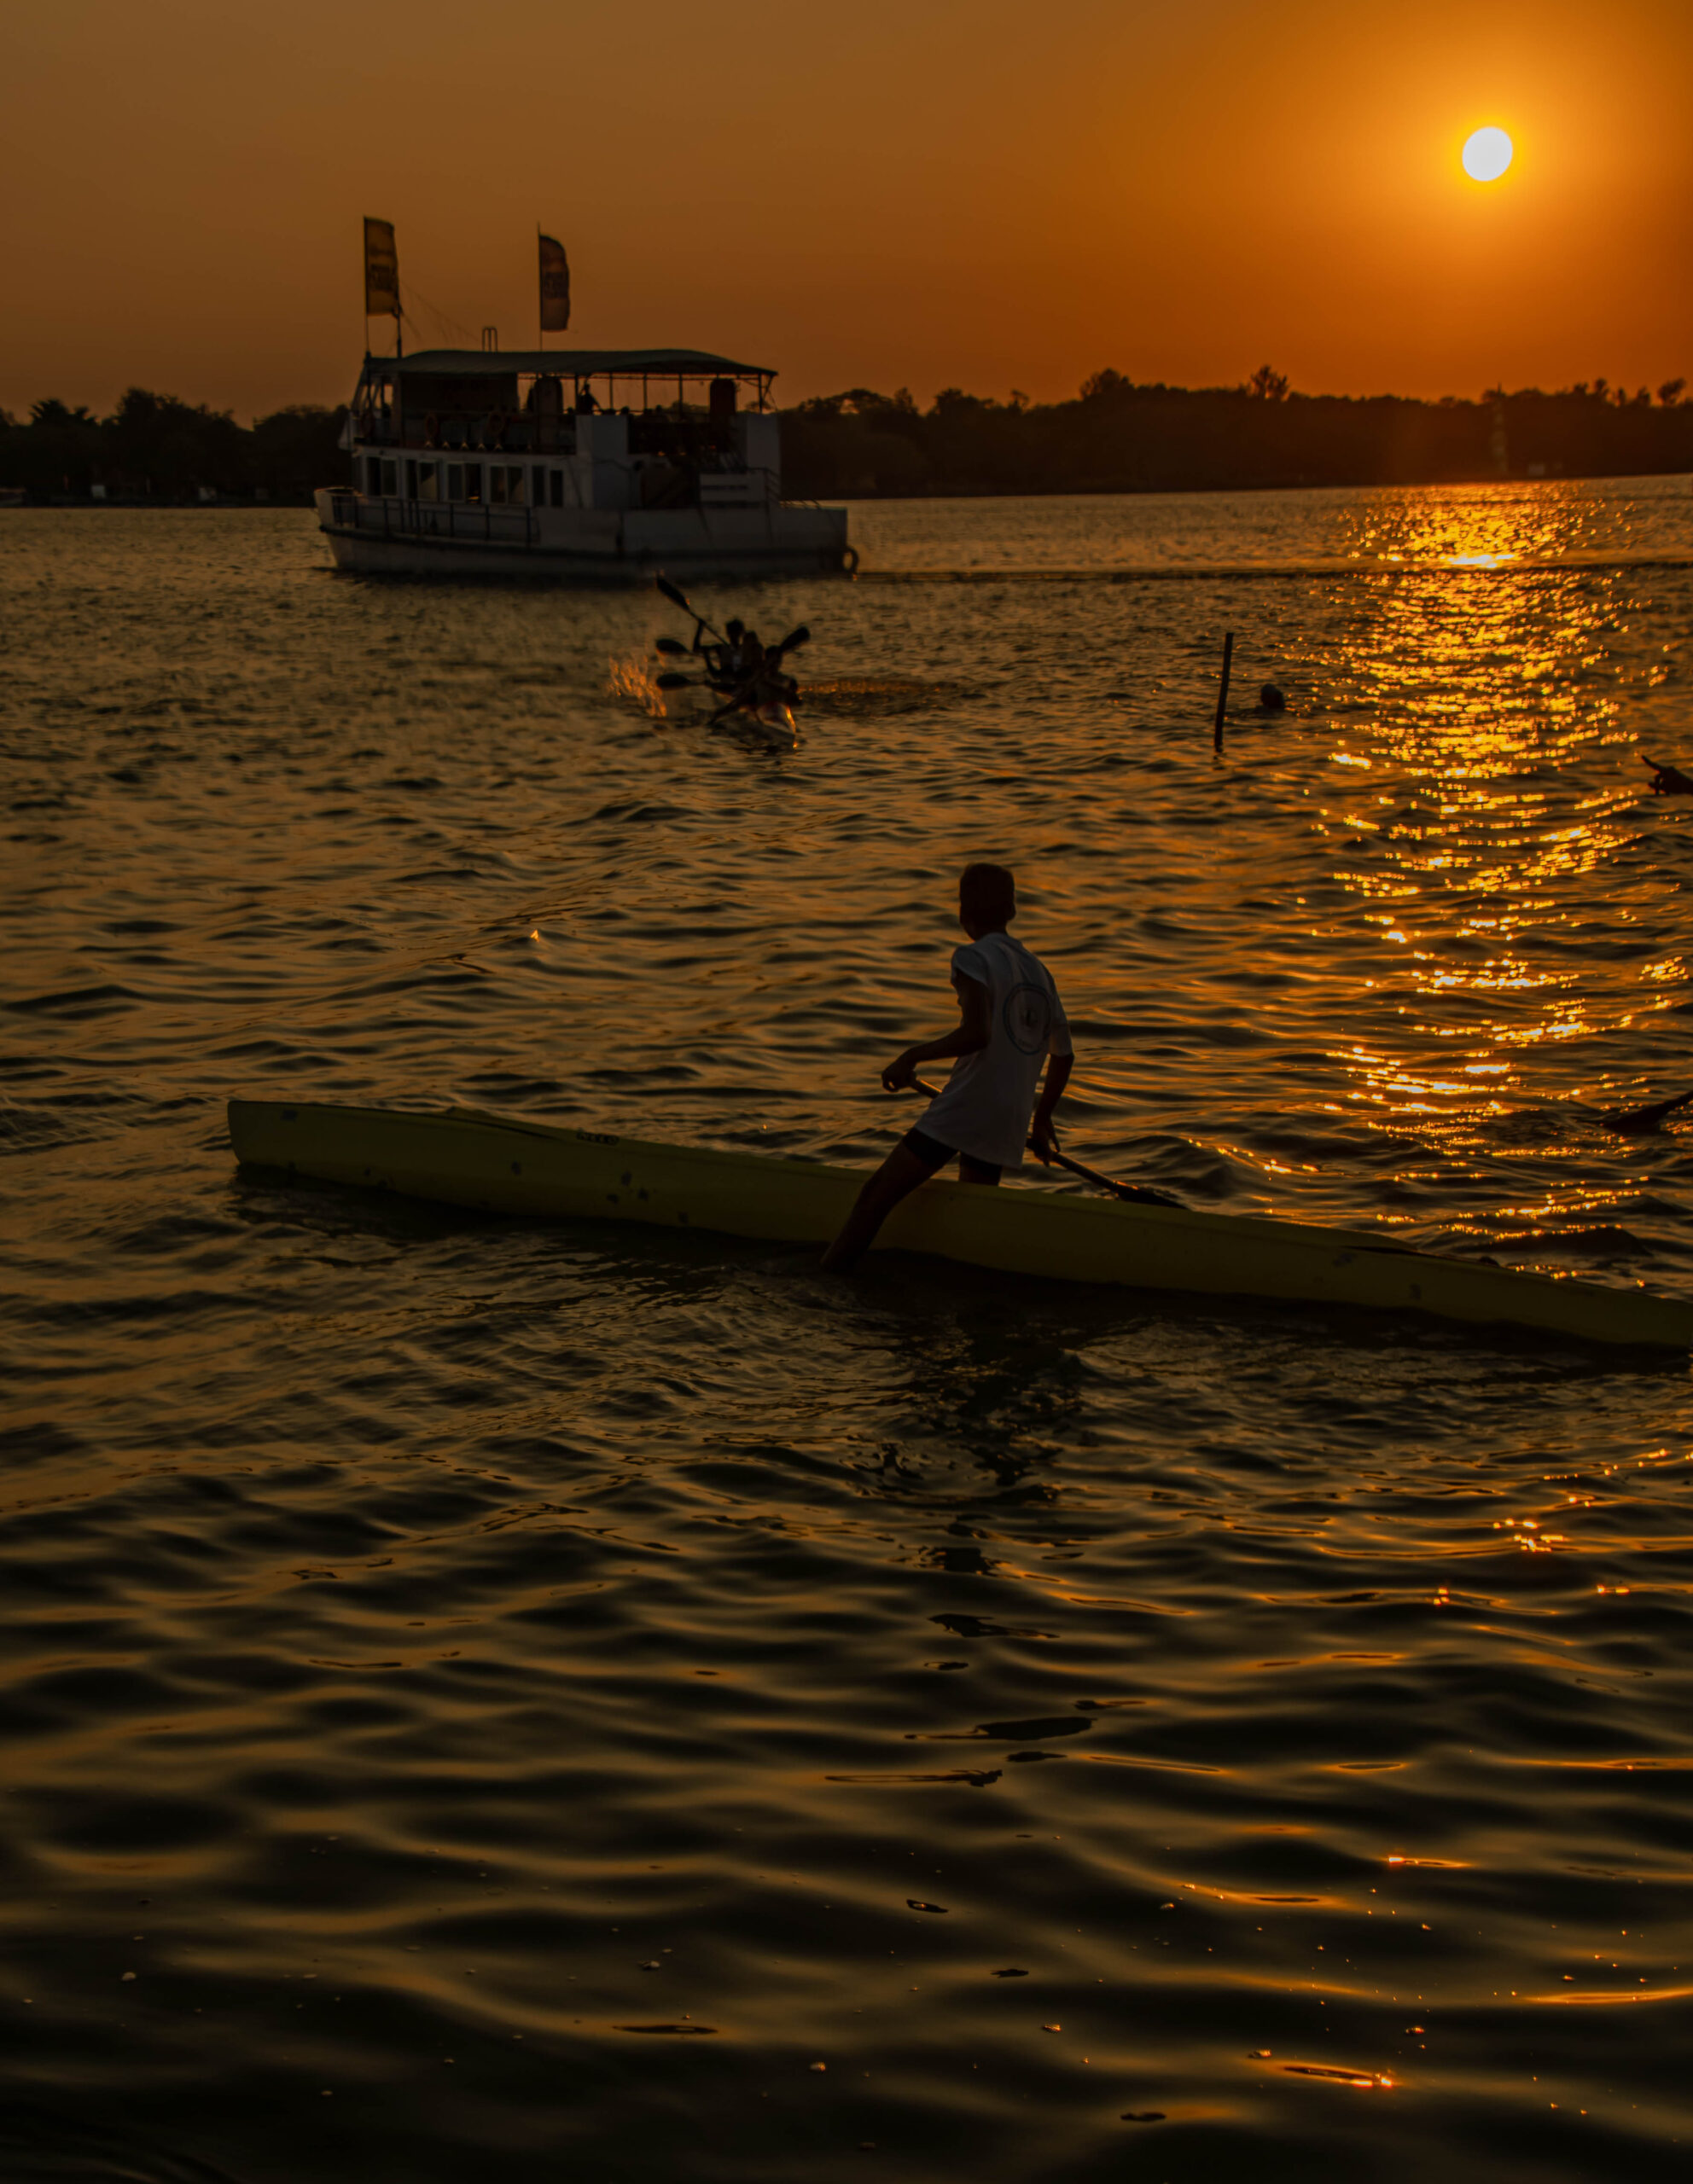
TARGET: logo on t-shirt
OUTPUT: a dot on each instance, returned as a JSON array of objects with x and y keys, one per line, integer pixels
[{"x": 1027, "y": 1017}]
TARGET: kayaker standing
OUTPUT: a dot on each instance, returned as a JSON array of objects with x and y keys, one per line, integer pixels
[{"x": 1011, "y": 1022}]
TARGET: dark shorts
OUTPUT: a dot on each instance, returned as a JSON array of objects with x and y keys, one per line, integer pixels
[{"x": 934, "y": 1155}]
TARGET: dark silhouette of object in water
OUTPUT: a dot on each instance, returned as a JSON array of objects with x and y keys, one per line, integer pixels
[
  {"x": 1666, "y": 780},
  {"x": 1271, "y": 699},
  {"x": 1639, "y": 1122}
]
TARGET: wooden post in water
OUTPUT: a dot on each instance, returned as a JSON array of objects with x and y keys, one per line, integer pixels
[{"x": 1223, "y": 692}]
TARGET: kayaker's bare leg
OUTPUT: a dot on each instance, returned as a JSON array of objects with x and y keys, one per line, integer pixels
[{"x": 898, "y": 1176}]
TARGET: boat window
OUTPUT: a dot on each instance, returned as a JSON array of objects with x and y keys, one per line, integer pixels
[
  {"x": 373, "y": 474},
  {"x": 411, "y": 481},
  {"x": 390, "y": 473},
  {"x": 539, "y": 485},
  {"x": 473, "y": 481},
  {"x": 496, "y": 482},
  {"x": 558, "y": 489},
  {"x": 455, "y": 481},
  {"x": 505, "y": 484},
  {"x": 426, "y": 481}
]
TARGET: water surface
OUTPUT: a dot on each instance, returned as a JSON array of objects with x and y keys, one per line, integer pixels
[{"x": 495, "y": 1699}]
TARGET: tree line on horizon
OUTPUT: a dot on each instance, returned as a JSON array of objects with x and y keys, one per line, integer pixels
[
  {"x": 1114, "y": 436},
  {"x": 157, "y": 447}
]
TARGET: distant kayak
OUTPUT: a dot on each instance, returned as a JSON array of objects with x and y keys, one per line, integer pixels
[{"x": 462, "y": 1157}]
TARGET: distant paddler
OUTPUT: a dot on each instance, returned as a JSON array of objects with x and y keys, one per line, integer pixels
[
  {"x": 728, "y": 663},
  {"x": 1010, "y": 1023}
]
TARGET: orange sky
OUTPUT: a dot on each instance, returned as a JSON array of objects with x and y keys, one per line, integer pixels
[{"x": 919, "y": 192}]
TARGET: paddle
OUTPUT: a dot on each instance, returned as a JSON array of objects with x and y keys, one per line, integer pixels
[
  {"x": 1137, "y": 1193},
  {"x": 678, "y": 598},
  {"x": 1635, "y": 1122},
  {"x": 791, "y": 642},
  {"x": 674, "y": 647},
  {"x": 674, "y": 681}
]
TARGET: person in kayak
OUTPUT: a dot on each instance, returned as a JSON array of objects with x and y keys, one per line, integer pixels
[
  {"x": 726, "y": 663},
  {"x": 1010, "y": 1021}
]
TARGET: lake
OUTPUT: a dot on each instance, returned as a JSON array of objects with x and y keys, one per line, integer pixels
[{"x": 495, "y": 1699}]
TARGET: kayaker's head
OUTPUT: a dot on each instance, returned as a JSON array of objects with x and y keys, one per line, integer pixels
[
  {"x": 735, "y": 631},
  {"x": 1271, "y": 699},
  {"x": 987, "y": 899}
]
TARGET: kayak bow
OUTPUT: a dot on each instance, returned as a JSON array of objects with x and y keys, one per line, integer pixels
[{"x": 496, "y": 1165}]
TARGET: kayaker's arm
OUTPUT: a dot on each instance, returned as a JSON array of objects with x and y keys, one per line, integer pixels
[
  {"x": 975, "y": 1028},
  {"x": 1041, "y": 1136}
]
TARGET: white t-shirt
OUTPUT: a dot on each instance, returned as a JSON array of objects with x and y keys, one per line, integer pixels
[{"x": 984, "y": 1107}]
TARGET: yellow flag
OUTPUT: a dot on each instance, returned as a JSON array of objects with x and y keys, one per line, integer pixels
[
  {"x": 555, "y": 287},
  {"x": 382, "y": 270}
]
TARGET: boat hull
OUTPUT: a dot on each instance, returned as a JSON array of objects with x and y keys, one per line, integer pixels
[
  {"x": 593, "y": 546},
  {"x": 496, "y": 1165}
]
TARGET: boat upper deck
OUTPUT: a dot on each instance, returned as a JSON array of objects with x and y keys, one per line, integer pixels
[{"x": 442, "y": 398}]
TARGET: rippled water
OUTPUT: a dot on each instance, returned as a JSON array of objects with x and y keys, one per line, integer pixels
[{"x": 500, "y": 1700}]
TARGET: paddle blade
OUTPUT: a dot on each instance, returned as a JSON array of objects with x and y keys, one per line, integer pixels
[
  {"x": 676, "y": 682},
  {"x": 676, "y": 598},
  {"x": 1636, "y": 1122},
  {"x": 802, "y": 636},
  {"x": 674, "y": 647}
]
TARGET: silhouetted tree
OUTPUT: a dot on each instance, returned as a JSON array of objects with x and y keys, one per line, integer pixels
[
  {"x": 1120, "y": 436},
  {"x": 157, "y": 446},
  {"x": 296, "y": 450}
]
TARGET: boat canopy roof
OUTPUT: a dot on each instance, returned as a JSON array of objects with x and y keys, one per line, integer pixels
[{"x": 571, "y": 363}]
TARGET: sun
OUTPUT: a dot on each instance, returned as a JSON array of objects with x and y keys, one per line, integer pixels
[{"x": 1486, "y": 154}]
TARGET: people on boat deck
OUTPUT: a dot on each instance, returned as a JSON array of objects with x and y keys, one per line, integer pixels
[{"x": 1010, "y": 1022}]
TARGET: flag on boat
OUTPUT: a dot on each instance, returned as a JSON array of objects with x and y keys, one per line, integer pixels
[
  {"x": 555, "y": 286},
  {"x": 382, "y": 270}
]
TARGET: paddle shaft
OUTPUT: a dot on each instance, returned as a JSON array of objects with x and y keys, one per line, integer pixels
[
  {"x": 679, "y": 598},
  {"x": 1144, "y": 1192}
]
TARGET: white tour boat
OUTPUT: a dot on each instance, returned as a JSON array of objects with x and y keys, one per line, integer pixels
[{"x": 606, "y": 466}]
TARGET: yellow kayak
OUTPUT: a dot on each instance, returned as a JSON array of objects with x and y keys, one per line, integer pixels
[{"x": 496, "y": 1165}]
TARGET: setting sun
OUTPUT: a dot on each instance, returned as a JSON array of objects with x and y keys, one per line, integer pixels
[{"x": 1486, "y": 154}]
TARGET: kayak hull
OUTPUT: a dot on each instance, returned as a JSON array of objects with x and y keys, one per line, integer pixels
[{"x": 495, "y": 1165}]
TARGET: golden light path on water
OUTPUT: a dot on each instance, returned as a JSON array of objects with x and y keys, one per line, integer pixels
[{"x": 1495, "y": 705}]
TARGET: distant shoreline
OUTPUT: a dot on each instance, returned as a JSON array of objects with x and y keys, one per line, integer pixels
[
  {"x": 237, "y": 503},
  {"x": 1114, "y": 436},
  {"x": 1118, "y": 437}
]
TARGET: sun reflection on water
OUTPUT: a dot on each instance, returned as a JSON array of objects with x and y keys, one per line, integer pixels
[{"x": 1481, "y": 693}]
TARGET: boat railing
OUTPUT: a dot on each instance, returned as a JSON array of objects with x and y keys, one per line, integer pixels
[{"x": 476, "y": 522}]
